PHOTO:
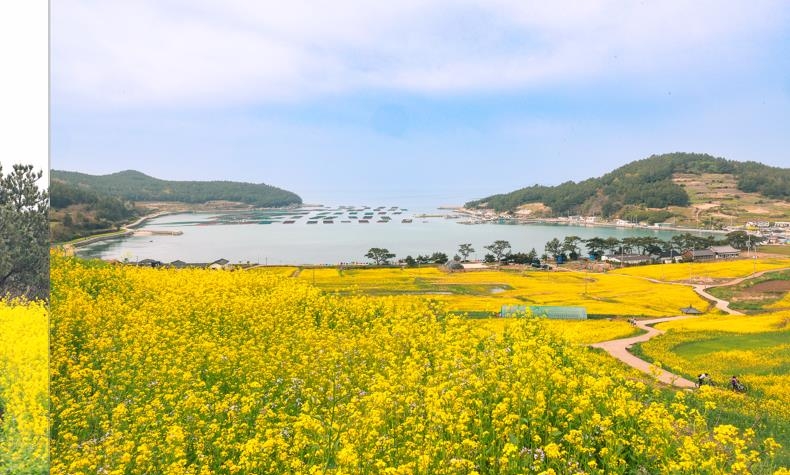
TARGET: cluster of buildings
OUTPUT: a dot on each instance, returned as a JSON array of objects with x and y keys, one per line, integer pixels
[
  {"x": 219, "y": 264},
  {"x": 691, "y": 255},
  {"x": 777, "y": 232}
]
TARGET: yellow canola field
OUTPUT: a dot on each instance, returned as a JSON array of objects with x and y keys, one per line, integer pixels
[
  {"x": 731, "y": 323},
  {"x": 581, "y": 332},
  {"x": 197, "y": 372},
  {"x": 286, "y": 271},
  {"x": 722, "y": 269},
  {"x": 781, "y": 304},
  {"x": 756, "y": 348},
  {"x": 23, "y": 388},
  {"x": 487, "y": 291}
]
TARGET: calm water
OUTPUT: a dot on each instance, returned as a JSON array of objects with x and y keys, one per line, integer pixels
[{"x": 265, "y": 238}]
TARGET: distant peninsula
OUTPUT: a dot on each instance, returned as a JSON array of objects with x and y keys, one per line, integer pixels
[
  {"x": 136, "y": 186},
  {"x": 686, "y": 188},
  {"x": 83, "y": 204}
]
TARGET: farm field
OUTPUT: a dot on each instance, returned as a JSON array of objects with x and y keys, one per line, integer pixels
[
  {"x": 756, "y": 348},
  {"x": 484, "y": 292},
  {"x": 23, "y": 388},
  {"x": 777, "y": 249},
  {"x": 705, "y": 271},
  {"x": 771, "y": 291},
  {"x": 196, "y": 371}
]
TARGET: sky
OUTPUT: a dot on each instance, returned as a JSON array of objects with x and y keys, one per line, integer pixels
[
  {"x": 435, "y": 102},
  {"x": 24, "y": 87}
]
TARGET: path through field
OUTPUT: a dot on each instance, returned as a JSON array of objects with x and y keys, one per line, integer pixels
[{"x": 619, "y": 348}]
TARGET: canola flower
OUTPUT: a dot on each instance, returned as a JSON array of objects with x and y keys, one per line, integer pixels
[
  {"x": 198, "y": 372},
  {"x": 23, "y": 388},
  {"x": 721, "y": 269},
  {"x": 582, "y": 332},
  {"x": 755, "y": 347},
  {"x": 487, "y": 291}
]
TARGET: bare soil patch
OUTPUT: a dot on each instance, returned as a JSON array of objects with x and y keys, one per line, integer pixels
[{"x": 770, "y": 286}]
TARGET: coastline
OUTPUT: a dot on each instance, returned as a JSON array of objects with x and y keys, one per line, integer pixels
[{"x": 499, "y": 219}]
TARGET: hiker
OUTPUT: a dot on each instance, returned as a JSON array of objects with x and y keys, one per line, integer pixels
[
  {"x": 703, "y": 378},
  {"x": 737, "y": 385}
]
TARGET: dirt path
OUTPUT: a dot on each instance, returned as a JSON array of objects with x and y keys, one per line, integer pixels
[
  {"x": 724, "y": 305},
  {"x": 619, "y": 349}
]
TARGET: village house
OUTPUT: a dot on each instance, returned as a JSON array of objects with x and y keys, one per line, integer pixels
[
  {"x": 694, "y": 255},
  {"x": 219, "y": 264},
  {"x": 149, "y": 263},
  {"x": 725, "y": 252},
  {"x": 670, "y": 257}
]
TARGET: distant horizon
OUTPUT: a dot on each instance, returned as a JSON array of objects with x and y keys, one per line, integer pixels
[
  {"x": 434, "y": 101},
  {"x": 412, "y": 197}
]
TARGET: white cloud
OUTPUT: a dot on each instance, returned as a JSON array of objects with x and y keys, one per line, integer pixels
[{"x": 198, "y": 52}]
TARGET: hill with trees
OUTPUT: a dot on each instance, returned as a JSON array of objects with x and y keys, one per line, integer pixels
[
  {"x": 641, "y": 185},
  {"x": 132, "y": 185},
  {"x": 84, "y": 205}
]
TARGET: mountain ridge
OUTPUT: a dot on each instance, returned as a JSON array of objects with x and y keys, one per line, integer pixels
[
  {"x": 134, "y": 185},
  {"x": 649, "y": 183}
]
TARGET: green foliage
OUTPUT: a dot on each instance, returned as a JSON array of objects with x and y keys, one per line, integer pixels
[
  {"x": 499, "y": 249},
  {"x": 24, "y": 237},
  {"x": 379, "y": 255},
  {"x": 465, "y": 250},
  {"x": 643, "y": 183},
  {"x": 135, "y": 186}
]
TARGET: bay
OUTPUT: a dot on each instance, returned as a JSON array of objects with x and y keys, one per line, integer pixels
[{"x": 263, "y": 237}]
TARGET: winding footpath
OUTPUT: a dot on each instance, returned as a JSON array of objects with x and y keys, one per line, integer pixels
[{"x": 619, "y": 348}]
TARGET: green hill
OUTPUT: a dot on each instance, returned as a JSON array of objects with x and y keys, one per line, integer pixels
[
  {"x": 135, "y": 186},
  {"x": 649, "y": 183}
]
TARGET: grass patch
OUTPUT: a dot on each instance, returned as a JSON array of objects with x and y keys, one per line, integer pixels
[
  {"x": 781, "y": 250},
  {"x": 752, "y": 297}
]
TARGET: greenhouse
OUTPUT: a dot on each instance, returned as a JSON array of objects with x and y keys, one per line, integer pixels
[{"x": 545, "y": 311}]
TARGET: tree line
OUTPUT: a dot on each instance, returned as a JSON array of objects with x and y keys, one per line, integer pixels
[{"x": 571, "y": 248}]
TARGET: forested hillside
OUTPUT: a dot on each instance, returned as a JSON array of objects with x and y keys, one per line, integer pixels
[
  {"x": 644, "y": 183},
  {"x": 135, "y": 186}
]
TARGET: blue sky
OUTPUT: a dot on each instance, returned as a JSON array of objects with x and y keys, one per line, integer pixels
[{"x": 421, "y": 102}]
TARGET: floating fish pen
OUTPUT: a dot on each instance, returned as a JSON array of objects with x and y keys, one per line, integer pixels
[
  {"x": 312, "y": 222},
  {"x": 266, "y": 221},
  {"x": 345, "y": 221},
  {"x": 382, "y": 212},
  {"x": 382, "y": 221},
  {"x": 328, "y": 221},
  {"x": 290, "y": 221},
  {"x": 406, "y": 221},
  {"x": 397, "y": 212},
  {"x": 364, "y": 221}
]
